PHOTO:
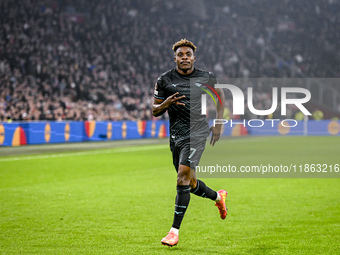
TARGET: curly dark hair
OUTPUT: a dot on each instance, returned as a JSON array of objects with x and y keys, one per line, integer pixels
[{"x": 183, "y": 42}]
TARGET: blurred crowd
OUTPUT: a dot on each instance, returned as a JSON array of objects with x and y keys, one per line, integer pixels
[{"x": 99, "y": 60}]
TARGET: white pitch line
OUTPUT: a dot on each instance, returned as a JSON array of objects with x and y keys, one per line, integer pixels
[{"x": 82, "y": 153}]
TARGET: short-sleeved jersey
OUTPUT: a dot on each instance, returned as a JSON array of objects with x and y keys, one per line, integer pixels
[{"x": 186, "y": 121}]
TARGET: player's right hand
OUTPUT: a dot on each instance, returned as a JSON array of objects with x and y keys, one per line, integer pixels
[
  {"x": 173, "y": 99},
  {"x": 160, "y": 106}
]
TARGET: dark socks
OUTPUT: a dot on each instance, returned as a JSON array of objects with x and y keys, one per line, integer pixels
[
  {"x": 183, "y": 198},
  {"x": 204, "y": 191},
  {"x": 182, "y": 202}
]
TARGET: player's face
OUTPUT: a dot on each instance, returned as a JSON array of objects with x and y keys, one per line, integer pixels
[{"x": 185, "y": 59}]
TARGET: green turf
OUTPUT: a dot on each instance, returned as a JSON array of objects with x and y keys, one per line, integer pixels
[{"x": 121, "y": 201}]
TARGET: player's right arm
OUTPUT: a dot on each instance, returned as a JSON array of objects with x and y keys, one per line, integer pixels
[{"x": 160, "y": 106}]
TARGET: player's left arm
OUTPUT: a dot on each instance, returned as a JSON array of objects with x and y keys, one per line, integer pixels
[{"x": 216, "y": 129}]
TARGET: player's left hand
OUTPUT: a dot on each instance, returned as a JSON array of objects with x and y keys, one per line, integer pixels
[{"x": 215, "y": 134}]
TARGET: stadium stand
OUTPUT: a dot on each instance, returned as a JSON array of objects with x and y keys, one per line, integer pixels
[{"x": 98, "y": 60}]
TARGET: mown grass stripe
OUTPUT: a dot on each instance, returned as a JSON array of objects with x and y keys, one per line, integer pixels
[{"x": 83, "y": 153}]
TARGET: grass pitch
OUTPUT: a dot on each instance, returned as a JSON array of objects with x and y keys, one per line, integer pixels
[{"x": 121, "y": 201}]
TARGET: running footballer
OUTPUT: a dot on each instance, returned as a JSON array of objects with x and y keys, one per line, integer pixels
[{"x": 177, "y": 91}]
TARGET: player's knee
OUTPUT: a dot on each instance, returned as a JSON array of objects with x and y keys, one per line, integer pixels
[
  {"x": 183, "y": 176},
  {"x": 183, "y": 180}
]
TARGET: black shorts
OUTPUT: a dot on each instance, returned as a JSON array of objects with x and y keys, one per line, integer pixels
[{"x": 187, "y": 152}]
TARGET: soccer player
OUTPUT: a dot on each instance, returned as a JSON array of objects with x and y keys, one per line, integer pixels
[{"x": 178, "y": 91}]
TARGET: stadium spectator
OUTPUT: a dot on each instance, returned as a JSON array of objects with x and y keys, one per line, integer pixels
[{"x": 63, "y": 60}]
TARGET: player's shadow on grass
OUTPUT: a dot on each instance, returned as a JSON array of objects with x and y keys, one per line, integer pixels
[
  {"x": 263, "y": 249},
  {"x": 185, "y": 250}
]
